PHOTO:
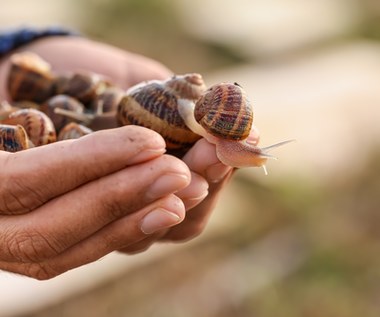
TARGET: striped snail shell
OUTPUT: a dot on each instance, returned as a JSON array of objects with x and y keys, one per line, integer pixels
[
  {"x": 13, "y": 138},
  {"x": 30, "y": 78},
  {"x": 38, "y": 126},
  {"x": 154, "y": 105},
  {"x": 73, "y": 130},
  {"x": 225, "y": 112}
]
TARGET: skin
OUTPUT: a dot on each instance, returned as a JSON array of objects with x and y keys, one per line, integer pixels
[{"x": 70, "y": 203}]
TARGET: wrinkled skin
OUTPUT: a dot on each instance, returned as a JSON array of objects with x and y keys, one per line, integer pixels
[{"x": 70, "y": 203}]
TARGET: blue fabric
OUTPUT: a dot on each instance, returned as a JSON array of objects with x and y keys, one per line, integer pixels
[{"x": 10, "y": 40}]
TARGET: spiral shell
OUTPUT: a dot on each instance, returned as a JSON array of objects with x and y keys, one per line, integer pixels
[
  {"x": 30, "y": 78},
  {"x": 154, "y": 105},
  {"x": 38, "y": 126},
  {"x": 13, "y": 138},
  {"x": 84, "y": 86},
  {"x": 62, "y": 102},
  {"x": 73, "y": 131},
  {"x": 107, "y": 101},
  {"x": 225, "y": 112}
]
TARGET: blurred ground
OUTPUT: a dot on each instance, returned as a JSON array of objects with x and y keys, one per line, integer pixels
[{"x": 303, "y": 241}]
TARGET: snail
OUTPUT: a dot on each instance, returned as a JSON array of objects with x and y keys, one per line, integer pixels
[
  {"x": 84, "y": 86},
  {"x": 73, "y": 130},
  {"x": 155, "y": 105},
  {"x": 182, "y": 111},
  {"x": 61, "y": 102},
  {"x": 13, "y": 138},
  {"x": 30, "y": 78},
  {"x": 38, "y": 126}
]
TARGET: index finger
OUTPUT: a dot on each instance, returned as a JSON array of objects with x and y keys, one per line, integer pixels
[{"x": 32, "y": 177}]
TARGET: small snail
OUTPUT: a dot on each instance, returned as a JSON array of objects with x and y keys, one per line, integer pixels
[
  {"x": 84, "y": 86},
  {"x": 182, "y": 111},
  {"x": 30, "y": 78},
  {"x": 13, "y": 138},
  {"x": 38, "y": 126},
  {"x": 62, "y": 102},
  {"x": 73, "y": 131},
  {"x": 155, "y": 105}
]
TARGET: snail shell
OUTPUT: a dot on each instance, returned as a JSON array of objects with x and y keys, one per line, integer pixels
[
  {"x": 154, "y": 105},
  {"x": 225, "y": 112},
  {"x": 62, "y": 102},
  {"x": 13, "y": 138},
  {"x": 84, "y": 86},
  {"x": 107, "y": 101},
  {"x": 38, "y": 126},
  {"x": 30, "y": 78},
  {"x": 73, "y": 131}
]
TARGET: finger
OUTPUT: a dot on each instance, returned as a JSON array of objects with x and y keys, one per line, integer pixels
[
  {"x": 197, "y": 217},
  {"x": 32, "y": 177},
  {"x": 202, "y": 160},
  {"x": 68, "y": 219},
  {"x": 193, "y": 194},
  {"x": 144, "y": 244},
  {"x": 119, "y": 234}
]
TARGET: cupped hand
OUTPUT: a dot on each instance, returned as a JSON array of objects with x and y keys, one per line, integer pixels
[{"x": 72, "y": 202}]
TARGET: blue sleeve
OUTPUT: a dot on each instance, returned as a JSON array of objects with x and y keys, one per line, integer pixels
[{"x": 10, "y": 40}]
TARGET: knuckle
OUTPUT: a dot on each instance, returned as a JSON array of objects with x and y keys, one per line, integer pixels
[
  {"x": 16, "y": 196},
  {"x": 114, "y": 209},
  {"x": 30, "y": 246}
]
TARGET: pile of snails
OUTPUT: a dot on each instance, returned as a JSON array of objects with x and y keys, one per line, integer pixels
[{"x": 47, "y": 107}]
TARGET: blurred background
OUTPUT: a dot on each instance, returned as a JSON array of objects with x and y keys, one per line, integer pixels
[{"x": 303, "y": 241}]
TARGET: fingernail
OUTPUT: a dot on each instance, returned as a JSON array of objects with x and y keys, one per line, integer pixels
[
  {"x": 158, "y": 219},
  {"x": 217, "y": 172},
  {"x": 145, "y": 156},
  {"x": 167, "y": 184}
]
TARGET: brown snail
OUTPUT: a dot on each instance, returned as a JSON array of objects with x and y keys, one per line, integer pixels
[
  {"x": 61, "y": 102},
  {"x": 13, "y": 138},
  {"x": 38, "y": 126},
  {"x": 73, "y": 130},
  {"x": 30, "y": 78},
  {"x": 155, "y": 105},
  {"x": 182, "y": 111}
]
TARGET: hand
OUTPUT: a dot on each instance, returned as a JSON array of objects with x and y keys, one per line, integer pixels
[{"x": 70, "y": 203}]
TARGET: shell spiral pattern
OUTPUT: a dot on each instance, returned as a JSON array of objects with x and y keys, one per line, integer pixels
[
  {"x": 224, "y": 111},
  {"x": 154, "y": 105}
]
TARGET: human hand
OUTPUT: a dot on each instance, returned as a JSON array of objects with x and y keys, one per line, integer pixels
[
  {"x": 43, "y": 242},
  {"x": 72, "y": 202},
  {"x": 209, "y": 178}
]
